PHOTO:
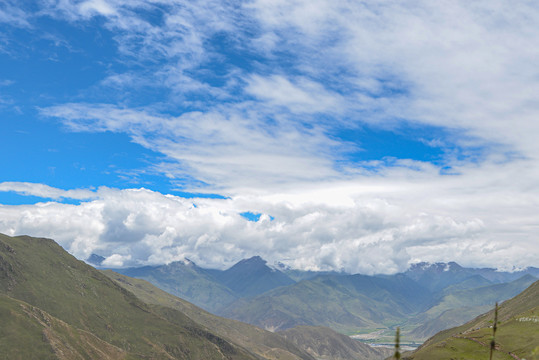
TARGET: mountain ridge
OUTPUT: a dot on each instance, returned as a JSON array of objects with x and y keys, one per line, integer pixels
[{"x": 234, "y": 291}]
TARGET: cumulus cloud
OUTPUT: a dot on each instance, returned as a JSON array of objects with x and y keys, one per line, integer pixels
[{"x": 357, "y": 233}]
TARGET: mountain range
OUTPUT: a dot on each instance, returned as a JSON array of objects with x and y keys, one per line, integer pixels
[
  {"x": 212, "y": 289},
  {"x": 423, "y": 300}
]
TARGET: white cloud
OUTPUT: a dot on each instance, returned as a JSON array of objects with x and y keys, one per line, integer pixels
[
  {"x": 377, "y": 226},
  {"x": 6, "y": 83},
  {"x": 389, "y": 60},
  {"x": 461, "y": 65},
  {"x": 115, "y": 261},
  {"x": 303, "y": 96},
  {"x": 229, "y": 148},
  {"x": 12, "y": 15},
  {"x": 100, "y": 7},
  {"x": 45, "y": 191}
]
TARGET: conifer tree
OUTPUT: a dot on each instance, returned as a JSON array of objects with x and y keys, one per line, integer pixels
[
  {"x": 494, "y": 326},
  {"x": 397, "y": 355}
]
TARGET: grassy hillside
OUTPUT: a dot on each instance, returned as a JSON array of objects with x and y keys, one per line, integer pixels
[
  {"x": 40, "y": 273},
  {"x": 28, "y": 332},
  {"x": 256, "y": 340},
  {"x": 427, "y": 327},
  {"x": 326, "y": 344},
  {"x": 458, "y": 306},
  {"x": 517, "y": 335}
]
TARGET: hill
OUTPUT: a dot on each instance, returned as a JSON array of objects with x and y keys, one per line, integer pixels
[
  {"x": 517, "y": 336},
  {"x": 423, "y": 300},
  {"x": 86, "y": 309}
]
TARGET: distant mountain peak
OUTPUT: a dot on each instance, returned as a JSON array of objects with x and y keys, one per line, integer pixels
[
  {"x": 255, "y": 260},
  {"x": 253, "y": 276},
  {"x": 180, "y": 263},
  {"x": 454, "y": 265},
  {"x": 95, "y": 259}
]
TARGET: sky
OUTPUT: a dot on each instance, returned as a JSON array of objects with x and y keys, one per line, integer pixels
[{"x": 360, "y": 136}]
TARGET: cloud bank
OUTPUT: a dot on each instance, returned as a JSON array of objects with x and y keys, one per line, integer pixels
[{"x": 368, "y": 228}]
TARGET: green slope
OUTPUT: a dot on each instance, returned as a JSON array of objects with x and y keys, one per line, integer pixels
[
  {"x": 261, "y": 342},
  {"x": 459, "y": 306},
  {"x": 28, "y": 332},
  {"x": 518, "y": 333},
  {"x": 39, "y": 272},
  {"x": 484, "y": 295},
  {"x": 427, "y": 327}
]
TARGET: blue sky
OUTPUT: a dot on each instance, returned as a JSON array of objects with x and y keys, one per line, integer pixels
[
  {"x": 53, "y": 62},
  {"x": 403, "y": 130}
]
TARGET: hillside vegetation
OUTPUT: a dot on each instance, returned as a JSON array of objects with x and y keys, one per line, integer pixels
[
  {"x": 459, "y": 306},
  {"x": 24, "y": 325}
]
